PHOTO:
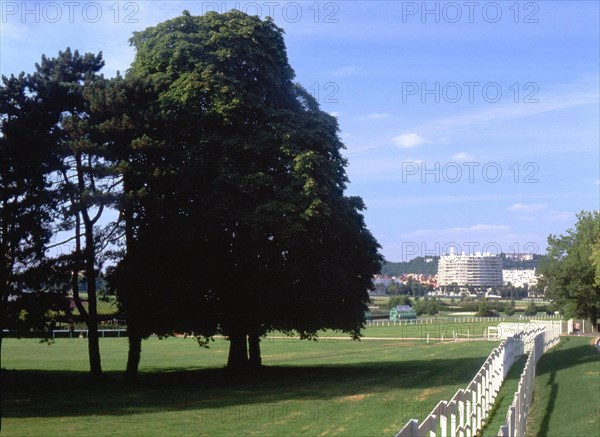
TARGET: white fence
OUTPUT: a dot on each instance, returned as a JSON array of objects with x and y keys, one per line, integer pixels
[
  {"x": 516, "y": 418},
  {"x": 466, "y": 412},
  {"x": 83, "y": 333}
]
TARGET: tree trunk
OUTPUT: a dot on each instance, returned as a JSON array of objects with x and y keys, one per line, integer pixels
[
  {"x": 133, "y": 356},
  {"x": 90, "y": 273},
  {"x": 94, "y": 352},
  {"x": 594, "y": 319},
  {"x": 3, "y": 303},
  {"x": 255, "y": 359},
  {"x": 238, "y": 352}
]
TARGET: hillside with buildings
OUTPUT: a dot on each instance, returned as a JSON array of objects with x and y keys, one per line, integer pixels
[
  {"x": 428, "y": 265},
  {"x": 504, "y": 274}
]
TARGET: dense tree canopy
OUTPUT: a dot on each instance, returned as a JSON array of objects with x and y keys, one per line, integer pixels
[
  {"x": 244, "y": 205},
  {"x": 569, "y": 271},
  {"x": 227, "y": 177},
  {"x": 26, "y": 205}
]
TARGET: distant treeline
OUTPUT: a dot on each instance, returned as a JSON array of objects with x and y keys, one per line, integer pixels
[
  {"x": 429, "y": 265},
  {"x": 415, "y": 265}
]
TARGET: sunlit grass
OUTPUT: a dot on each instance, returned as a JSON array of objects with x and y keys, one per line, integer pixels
[{"x": 330, "y": 387}]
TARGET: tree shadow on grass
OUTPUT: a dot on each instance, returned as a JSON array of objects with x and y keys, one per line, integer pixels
[
  {"x": 566, "y": 355},
  {"x": 62, "y": 393},
  {"x": 545, "y": 423}
]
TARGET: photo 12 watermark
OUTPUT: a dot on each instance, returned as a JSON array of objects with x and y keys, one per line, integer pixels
[
  {"x": 469, "y": 172},
  {"x": 69, "y": 12},
  {"x": 325, "y": 92},
  {"x": 517, "y": 250},
  {"x": 288, "y": 12},
  {"x": 470, "y": 12},
  {"x": 469, "y": 92}
]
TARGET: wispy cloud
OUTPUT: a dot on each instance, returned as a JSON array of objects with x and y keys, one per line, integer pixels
[
  {"x": 473, "y": 230},
  {"x": 560, "y": 215},
  {"x": 528, "y": 207},
  {"x": 408, "y": 141},
  {"x": 345, "y": 71},
  {"x": 391, "y": 202},
  {"x": 375, "y": 116},
  {"x": 463, "y": 157},
  {"x": 553, "y": 101}
]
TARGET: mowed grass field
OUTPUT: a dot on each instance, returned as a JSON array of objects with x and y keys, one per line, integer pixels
[
  {"x": 566, "y": 399},
  {"x": 330, "y": 387}
]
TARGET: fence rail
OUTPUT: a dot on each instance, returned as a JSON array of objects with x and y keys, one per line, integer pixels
[
  {"x": 516, "y": 417},
  {"x": 466, "y": 412},
  {"x": 457, "y": 319},
  {"x": 84, "y": 333}
]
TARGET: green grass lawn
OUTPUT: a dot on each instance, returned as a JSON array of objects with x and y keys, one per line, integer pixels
[
  {"x": 330, "y": 387},
  {"x": 445, "y": 328},
  {"x": 504, "y": 399},
  {"x": 566, "y": 399}
]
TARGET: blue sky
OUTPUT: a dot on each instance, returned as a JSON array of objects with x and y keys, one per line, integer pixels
[{"x": 467, "y": 124}]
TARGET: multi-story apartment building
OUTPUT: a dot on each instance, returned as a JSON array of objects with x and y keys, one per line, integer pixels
[{"x": 478, "y": 270}]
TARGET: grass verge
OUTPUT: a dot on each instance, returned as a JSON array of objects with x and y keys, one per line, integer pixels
[
  {"x": 332, "y": 387},
  {"x": 504, "y": 399},
  {"x": 566, "y": 397}
]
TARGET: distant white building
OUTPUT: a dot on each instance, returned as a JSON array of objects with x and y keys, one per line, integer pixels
[
  {"x": 519, "y": 278},
  {"x": 478, "y": 270},
  {"x": 520, "y": 256}
]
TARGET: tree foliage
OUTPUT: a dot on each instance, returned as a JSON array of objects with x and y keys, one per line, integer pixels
[
  {"x": 26, "y": 208},
  {"x": 85, "y": 184},
  {"x": 485, "y": 309},
  {"x": 568, "y": 269},
  {"x": 228, "y": 178},
  {"x": 531, "y": 309},
  {"x": 240, "y": 218},
  {"x": 509, "y": 308},
  {"x": 398, "y": 300},
  {"x": 427, "y": 306}
]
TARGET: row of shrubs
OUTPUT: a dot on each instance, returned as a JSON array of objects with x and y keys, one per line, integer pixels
[{"x": 482, "y": 308}]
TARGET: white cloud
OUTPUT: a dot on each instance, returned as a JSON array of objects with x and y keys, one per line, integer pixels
[
  {"x": 393, "y": 202},
  {"x": 376, "y": 116},
  {"x": 408, "y": 141},
  {"x": 470, "y": 230},
  {"x": 561, "y": 215},
  {"x": 463, "y": 157},
  {"x": 557, "y": 100},
  {"x": 528, "y": 207},
  {"x": 345, "y": 71}
]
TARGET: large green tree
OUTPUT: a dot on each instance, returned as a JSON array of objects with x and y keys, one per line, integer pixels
[
  {"x": 26, "y": 205},
  {"x": 87, "y": 181},
  {"x": 568, "y": 269},
  {"x": 243, "y": 214}
]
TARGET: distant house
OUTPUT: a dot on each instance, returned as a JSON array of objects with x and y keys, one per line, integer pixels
[{"x": 402, "y": 312}]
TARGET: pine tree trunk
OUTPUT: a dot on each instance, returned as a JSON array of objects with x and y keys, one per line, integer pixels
[
  {"x": 92, "y": 322},
  {"x": 255, "y": 359},
  {"x": 238, "y": 352},
  {"x": 133, "y": 357}
]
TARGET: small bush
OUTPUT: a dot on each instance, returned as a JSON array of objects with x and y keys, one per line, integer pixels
[
  {"x": 531, "y": 309},
  {"x": 509, "y": 309}
]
